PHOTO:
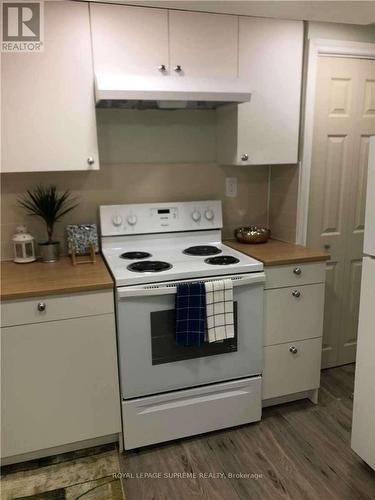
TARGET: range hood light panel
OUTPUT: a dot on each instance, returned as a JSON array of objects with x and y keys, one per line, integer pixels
[{"x": 140, "y": 92}]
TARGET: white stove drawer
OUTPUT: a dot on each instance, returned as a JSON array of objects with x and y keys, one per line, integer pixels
[{"x": 174, "y": 415}]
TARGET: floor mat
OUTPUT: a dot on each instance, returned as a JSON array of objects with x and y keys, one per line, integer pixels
[{"x": 88, "y": 477}]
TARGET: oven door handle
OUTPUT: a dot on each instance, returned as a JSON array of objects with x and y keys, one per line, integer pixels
[{"x": 171, "y": 288}]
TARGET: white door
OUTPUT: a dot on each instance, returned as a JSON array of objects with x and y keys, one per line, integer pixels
[
  {"x": 203, "y": 45},
  {"x": 129, "y": 39},
  {"x": 343, "y": 121},
  {"x": 369, "y": 242},
  {"x": 47, "y": 98}
]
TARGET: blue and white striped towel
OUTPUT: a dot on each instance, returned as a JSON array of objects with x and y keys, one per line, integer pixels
[
  {"x": 190, "y": 314},
  {"x": 219, "y": 307}
]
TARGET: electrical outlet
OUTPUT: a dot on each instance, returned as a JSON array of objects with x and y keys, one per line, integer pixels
[{"x": 231, "y": 187}]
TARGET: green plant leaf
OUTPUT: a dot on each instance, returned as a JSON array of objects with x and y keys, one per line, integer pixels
[{"x": 45, "y": 202}]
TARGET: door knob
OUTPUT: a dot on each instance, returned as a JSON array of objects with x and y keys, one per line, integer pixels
[
  {"x": 293, "y": 349},
  {"x": 296, "y": 293},
  {"x": 178, "y": 68}
]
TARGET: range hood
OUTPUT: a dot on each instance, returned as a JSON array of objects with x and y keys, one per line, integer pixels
[{"x": 167, "y": 92}]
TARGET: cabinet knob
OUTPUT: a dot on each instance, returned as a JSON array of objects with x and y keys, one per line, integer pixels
[
  {"x": 297, "y": 271},
  {"x": 162, "y": 68},
  {"x": 178, "y": 68},
  {"x": 244, "y": 157},
  {"x": 293, "y": 349},
  {"x": 90, "y": 160},
  {"x": 41, "y": 306},
  {"x": 296, "y": 293},
  {"x": 327, "y": 246}
]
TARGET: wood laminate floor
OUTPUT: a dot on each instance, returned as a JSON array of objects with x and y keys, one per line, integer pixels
[{"x": 298, "y": 451}]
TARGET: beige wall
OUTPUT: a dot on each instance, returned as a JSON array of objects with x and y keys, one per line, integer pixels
[
  {"x": 139, "y": 183},
  {"x": 283, "y": 190},
  {"x": 338, "y": 31},
  {"x": 155, "y": 136},
  {"x": 146, "y": 156}
]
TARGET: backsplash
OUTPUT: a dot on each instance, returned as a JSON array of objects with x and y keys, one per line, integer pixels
[
  {"x": 283, "y": 202},
  {"x": 137, "y": 183}
]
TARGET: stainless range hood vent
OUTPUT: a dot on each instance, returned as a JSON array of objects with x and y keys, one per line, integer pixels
[{"x": 168, "y": 92}]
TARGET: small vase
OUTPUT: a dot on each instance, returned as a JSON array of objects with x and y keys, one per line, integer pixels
[{"x": 49, "y": 252}]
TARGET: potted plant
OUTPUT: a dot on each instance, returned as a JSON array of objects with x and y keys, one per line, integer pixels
[{"x": 45, "y": 202}]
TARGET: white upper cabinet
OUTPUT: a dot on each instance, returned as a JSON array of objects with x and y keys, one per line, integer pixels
[
  {"x": 48, "y": 109},
  {"x": 129, "y": 39},
  {"x": 265, "y": 130},
  {"x": 203, "y": 45}
]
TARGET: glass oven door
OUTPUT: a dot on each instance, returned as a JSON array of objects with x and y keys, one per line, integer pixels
[{"x": 150, "y": 360}]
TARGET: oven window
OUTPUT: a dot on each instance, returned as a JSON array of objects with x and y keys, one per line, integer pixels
[{"x": 165, "y": 349}]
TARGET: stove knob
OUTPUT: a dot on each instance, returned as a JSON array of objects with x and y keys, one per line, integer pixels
[
  {"x": 196, "y": 216},
  {"x": 132, "y": 219},
  {"x": 209, "y": 214},
  {"x": 117, "y": 220}
]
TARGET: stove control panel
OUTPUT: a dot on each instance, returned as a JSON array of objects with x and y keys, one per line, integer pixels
[{"x": 160, "y": 217}]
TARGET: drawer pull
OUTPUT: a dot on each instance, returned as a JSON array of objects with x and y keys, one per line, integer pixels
[
  {"x": 41, "y": 306},
  {"x": 297, "y": 271},
  {"x": 293, "y": 349},
  {"x": 296, "y": 293}
]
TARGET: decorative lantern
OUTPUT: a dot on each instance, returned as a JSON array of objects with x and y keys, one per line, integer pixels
[{"x": 24, "y": 246}]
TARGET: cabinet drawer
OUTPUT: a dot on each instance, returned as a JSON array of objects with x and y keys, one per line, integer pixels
[
  {"x": 286, "y": 372},
  {"x": 293, "y": 313},
  {"x": 296, "y": 274},
  {"x": 55, "y": 307}
]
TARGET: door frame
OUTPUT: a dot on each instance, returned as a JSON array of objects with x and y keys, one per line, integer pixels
[{"x": 318, "y": 47}]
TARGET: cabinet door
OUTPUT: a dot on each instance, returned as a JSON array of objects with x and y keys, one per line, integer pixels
[
  {"x": 129, "y": 39},
  {"x": 204, "y": 45},
  {"x": 59, "y": 383},
  {"x": 270, "y": 58},
  {"x": 48, "y": 109}
]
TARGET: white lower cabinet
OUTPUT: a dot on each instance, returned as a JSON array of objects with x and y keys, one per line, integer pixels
[
  {"x": 291, "y": 367},
  {"x": 294, "y": 313},
  {"x": 59, "y": 382},
  {"x": 293, "y": 331}
]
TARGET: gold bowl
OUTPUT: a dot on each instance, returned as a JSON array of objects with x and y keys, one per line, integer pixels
[{"x": 252, "y": 234}]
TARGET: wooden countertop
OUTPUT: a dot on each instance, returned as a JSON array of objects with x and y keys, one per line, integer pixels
[
  {"x": 38, "y": 278},
  {"x": 275, "y": 252}
]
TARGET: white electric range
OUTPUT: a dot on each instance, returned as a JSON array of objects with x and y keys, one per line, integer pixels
[{"x": 170, "y": 391}]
